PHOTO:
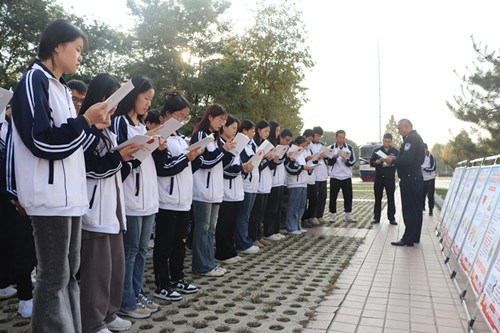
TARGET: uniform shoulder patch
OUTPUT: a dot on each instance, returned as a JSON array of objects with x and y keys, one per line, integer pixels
[{"x": 407, "y": 146}]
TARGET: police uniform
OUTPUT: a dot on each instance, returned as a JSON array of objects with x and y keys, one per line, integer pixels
[
  {"x": 408, "y": 164},
  {"x": 429, "y": 174},
  {"x": 384, "y": 178}
]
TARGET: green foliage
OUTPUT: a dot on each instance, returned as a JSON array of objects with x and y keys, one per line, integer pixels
[
  {"x": 328, "y": 138},
  {"x": 460, "y": 148},
  {"x": 392, "y": 127},
  {"x": 441, "y": 167}
]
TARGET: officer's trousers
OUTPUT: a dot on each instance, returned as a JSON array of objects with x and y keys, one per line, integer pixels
[
  {"x": 378, "y": 188},
  {"x": 411, "y": 188}
]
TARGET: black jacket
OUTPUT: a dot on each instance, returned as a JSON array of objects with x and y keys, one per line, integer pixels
[
  {"x": 380, "y": 170},
  {"x": 411, "y": 156}
]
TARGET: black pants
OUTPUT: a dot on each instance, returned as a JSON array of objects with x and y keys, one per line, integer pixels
[
  {"x": 411, "y": 201},
  {"x": 224, "y": 230},
  {"x": 346, "y": 186},
  {"x": 378, "y": 188},
  {"x": 429, "y": 186},
  {"x": 312, "y": 201},
  {"x": 320, "y": 206},
  {"x": 272, "y": 216},
  {"x": 169, "y": 250},
  {"x": 18, "y": 257},
  {"x": 256, "y": 217}
]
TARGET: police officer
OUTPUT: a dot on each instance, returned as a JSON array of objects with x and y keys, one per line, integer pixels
[
  {"x": 429, "y": 174},
  {"x": 408, "y": 164},
  {"x": 384, "y": 178}
]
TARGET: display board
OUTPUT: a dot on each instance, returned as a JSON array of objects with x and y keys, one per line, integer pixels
[
  {"x": 489, "y": 300},
  {"x": 451, "y": 193}
]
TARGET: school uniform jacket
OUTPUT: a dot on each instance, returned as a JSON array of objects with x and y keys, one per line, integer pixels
[
  {"x": 106, "y": 213},
  {"x": 48, "y": 138},
  {"x": 266, "y": 169},
  {"x": 279, "y": 173},
  {"x": 311, "y": 175},
  {"x": 7, "y": 175},
  {"x": 338, "y": 169},
  {"x": 250, "y": 180},
  {"x": 175, "y": 177},
  {"x": 208, "y": 183},
  {"x": 296, "y": 175},
  {"x": 140, "y": 185},
  {"x": 429, "y": 165},
  {"x": 321, "y": 172},
  {"x": 233, "y": 182}
]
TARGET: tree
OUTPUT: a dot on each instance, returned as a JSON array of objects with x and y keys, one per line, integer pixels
[
  {"x": 276, "y": 51},
  {"x": 328, "y": 138},
  {"x": 461, "y": 148},
  {"x": 479, "y": 101},
  {"x": 392, "y": 127},
  {"x": 441, "y": 167}
]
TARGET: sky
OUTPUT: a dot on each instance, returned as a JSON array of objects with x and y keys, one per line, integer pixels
[{"x": 423, "y": 45}]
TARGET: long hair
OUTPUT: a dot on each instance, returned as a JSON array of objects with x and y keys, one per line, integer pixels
[
  {"x": 127, "y": 104},
  {"x": 260, "y": 125},
  {"x": 99, "y": 89},
  {"x": 229, "y": 121},
  {"x": 246, "y": 125},
  {"x": 174, "y": 101},
  {"x": 273, "y": 138},
  {"x": 214, "y": 110},
  {"x": 58, "y": 32}
]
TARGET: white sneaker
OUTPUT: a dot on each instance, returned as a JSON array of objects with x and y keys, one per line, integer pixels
[
  {"x": 332, "y": 217},
  {"x": 217, "y": 271},
  {"x": 104, "y": 330},
  {"x": 296, "y": 232},
  {"x": 280, "y": 236},
  {"x": 321, "y": 220},
  {"x": 251, "y": 250},
  {"x": 303, "y": 230},
  {"x": 119, "y": 324},
  {"x": 232, "y": 260},
  {"x": 349, "y": 218},
  {"x": 7, "y": 292},
  {"x": 25, "y": 308},
  {"x": 314, "y": 221},
  {"x": 273, "y": 238}
]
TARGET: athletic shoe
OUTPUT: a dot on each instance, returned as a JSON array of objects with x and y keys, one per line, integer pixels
[
  {"x": 25, "y": 308},
  {"x": 307, "y": 224},
  {"x": 431, "y": 213},
  {"x": 257, "y": 243},
  {"x": 264, "y": 242},
  {"x": 104, "y": 330},
  {"x": 232, "y": 260},
  {"x": 167, "y": 294},
  {"x": 148, "y": 302},
  {"x": 140, "y": 312},
  {"x": 349, "y": 218},
  {"x": 217, "y": 271},
  {"x": 279, "y": 236},
  {"x": 184, "y": 287},
  {"x": 314, "y": 221},
  {"x": 119, "y": 324},
  {"x": 251, "y": 250},
  {"x": 7, "y": 292},
  {"x": 322, "y": 220},
  {"x": 296, "y": 232},
  {"x": 303, "y": 230},
  {"x": 332, "y": 217},
  {"x": 273, "y": 238}
]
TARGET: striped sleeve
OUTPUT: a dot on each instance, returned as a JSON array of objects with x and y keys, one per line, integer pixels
[
  {"x": 208, "y": 159},
  {"x": 166, "y": 165}
]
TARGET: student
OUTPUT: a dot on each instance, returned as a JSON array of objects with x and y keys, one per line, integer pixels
[
  {"x": 297, "y": 178},
  {"x": 18, "y": 258},
  {"x": 242, "y": 241},
  {"x": 50, "y": 172},
  {"x": 153, "y": 119},
  {"x": 103, "y": 263},
  {"x": 78, "y": 92},
  {"x": 321, "y": 173},
  {"x": 312, "y": 194},
  {"x": 140, "y": 189},
  {"x": 175, "y": 179},
  {"x": 208, "y": 190},
  {"x": 341, "y": 177},
  {"x": 262, "y": 130},
  {"x": 233, "y": 196},
  {"x": 275, "y": 202},
  {"x": 429, "y": 175}
]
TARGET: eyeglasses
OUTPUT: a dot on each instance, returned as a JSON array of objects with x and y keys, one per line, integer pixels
[
  {"x": 222, "y": 121},
  {"x": 181, "y": 118},
  {"x": 77, "y": 100}
]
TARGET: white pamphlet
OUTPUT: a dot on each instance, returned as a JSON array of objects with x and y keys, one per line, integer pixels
[
  {"x": 295, "y": 151},
  {"x": 169, "y": 127},
  {"x": 345, "y": 153},
  {"x": 149, "y": 144},
  {"x": 241, "y": 141},
  {"x": 264, "y": 148},
  {"x": 119, "y": 94},
  {"x": 5, "y": 97},
  {"x": 202, "y": 143},
  {"x": 329, "y": 152},
  {"x": 279, "y": 151},
  {"x": 314, "y": 166},
  {"x": 381, "y": 154}
]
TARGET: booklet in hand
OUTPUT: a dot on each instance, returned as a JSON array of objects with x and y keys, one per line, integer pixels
[
  {"x": 264, "y": 148},
  {"x": 149, "y": 144},
  {"x": 279, "y": 151},
  {"x": 345, "y": 154},
  {"x": 241, "y": 141},
  {"x": 202, "y": 143},
  {"x": 381, "y": 154},
  {"x": 329, "y": 152},
  {"x": 5, "y": 97},
  {"x": 295, "y": 151},
  {"x": 169, "y": 127},
  {"x": 119, "y": 94}
]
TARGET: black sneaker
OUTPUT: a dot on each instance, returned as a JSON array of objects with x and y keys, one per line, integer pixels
[
  {"x": 184, "y": 287},
  {"x": 167, "y": 294}
]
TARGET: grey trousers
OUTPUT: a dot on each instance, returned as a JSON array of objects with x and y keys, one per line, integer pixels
[
  {"x": 101, "y": 279},
  {"x": 56, "y": 301}
]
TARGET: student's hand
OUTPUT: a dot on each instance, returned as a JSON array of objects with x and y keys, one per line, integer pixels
[
  {"x": 336, "y": 156},
  {"x": 306, "y": 167},
  {"x": 388, "y": 160},
  {"x": 154, "y": 131},
  {"x": 288, "y": 153},
  {"x": 422, "y": 168},
  {"x": 19, "y": 208},
  {"x": 247, "y": 167},
  {"x": 276, "y": 159},
  {"x": 269, "y": 157},
  {"x": 308, "y": 158},
  {"x": 229, "y": 145},
  {"x": 195, "y": 153},
  {"x": 163, "y": 146},
  {"x": 321, "y": 156},
  {"x": 97, "y": 113},
  {"x": 379, "y": 161},
  {"x": 127, "y": 151},
  {"x": 106, "y": 123},
  {"x": 292, "y": 159},
  {"x": 344, "y": 160}
]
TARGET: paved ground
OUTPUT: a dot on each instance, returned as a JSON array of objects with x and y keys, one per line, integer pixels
[{"x": 339, "y": 277}]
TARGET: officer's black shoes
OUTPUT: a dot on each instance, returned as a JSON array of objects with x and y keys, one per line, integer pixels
[
  {"x": 431, "y": 213},
  {"x": 401, "y": 243},
  {"x": 375, "y": 221},
  {"x": 393, "y": 222}
]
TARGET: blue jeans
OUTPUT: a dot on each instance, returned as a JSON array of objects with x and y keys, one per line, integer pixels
[
  {"x": 205, "y": 220},
  {"x": 56, "y": 301},
  {"x": 241, "y": 239},
  {"x": 297, "y": 197},
  {"x": 135, "y": 243}
]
